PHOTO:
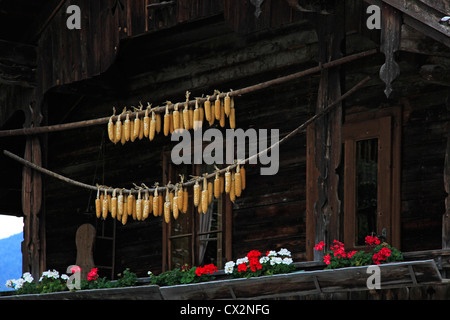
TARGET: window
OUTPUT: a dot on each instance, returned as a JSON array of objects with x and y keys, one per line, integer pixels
[
  {"x": 196, "y": 238},
  {"x": 369, "y": 179}
]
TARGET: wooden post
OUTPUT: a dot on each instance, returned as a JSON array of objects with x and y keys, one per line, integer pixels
[
  {"x": 446, "y": 217},
  {"x": 328, "y": 131},
  {"x": 33, "y": 258}
]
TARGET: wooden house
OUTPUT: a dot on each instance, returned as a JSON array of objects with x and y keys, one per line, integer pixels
[{"x": 376, "y": 160}]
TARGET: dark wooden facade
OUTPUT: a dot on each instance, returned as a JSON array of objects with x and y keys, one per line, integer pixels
[{"x": 142, "y": 51}]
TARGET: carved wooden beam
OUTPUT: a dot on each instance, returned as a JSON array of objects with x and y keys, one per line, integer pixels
[{"x": 391, "y": 23}]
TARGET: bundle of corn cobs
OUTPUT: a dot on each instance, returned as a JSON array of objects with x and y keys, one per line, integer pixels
[
  {"x": 171, "y": 200},
  {"x": 129, "y": 127}
]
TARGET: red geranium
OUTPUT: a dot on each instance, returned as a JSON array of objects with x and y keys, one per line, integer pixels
[
  {"x": 209, "y": 268},
  {"x": 327, "y": 259},
  {"x": 242, "y": 267},
  {"x": 92, "y": 275},
  {"x": 319, "y": 246},
  {"x": 381, "y": 255},
  {"x": 372, "y": 241}
]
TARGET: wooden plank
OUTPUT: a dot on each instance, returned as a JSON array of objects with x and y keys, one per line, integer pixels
[
  {"x": 442, "y": 6},
  {"x": 419, "y": 11},
  {"x": 392, "y": 275},
  {"x": 146, "y": 292},
  {"x": 446, "y": 216}
]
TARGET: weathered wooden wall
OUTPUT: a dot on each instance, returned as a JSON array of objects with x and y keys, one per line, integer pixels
[{"x": 209, "y": 54}]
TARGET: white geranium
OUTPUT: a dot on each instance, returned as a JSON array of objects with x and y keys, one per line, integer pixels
[
  {"x": 50, "y": 274},
  {"x": 229, "y": 266},
  {"x": 28, "y": 277},
  {"x": 287, "y": 261},
  {"x": 275, "y": 260},
  {"x": 242, "y": 260},
  {"x": 271, "y": 253},
  {"x": 284, "y": 252},
  {"x": 264, "y": 259}
]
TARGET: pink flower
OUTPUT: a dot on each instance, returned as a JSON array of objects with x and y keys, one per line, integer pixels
[
  {"x": 92, "y": 275},
  {"x": 319, "y": 246},
  {"x": 327, "y": 259},
  {"x": 75, "y": 269}
]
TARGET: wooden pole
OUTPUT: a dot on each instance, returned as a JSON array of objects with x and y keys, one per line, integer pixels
[{"x": 239, "y": 92}]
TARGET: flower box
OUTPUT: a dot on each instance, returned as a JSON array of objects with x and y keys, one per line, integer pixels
[
  {"x": 298, "y": 283},
  {"x": 307, "y": 282}
]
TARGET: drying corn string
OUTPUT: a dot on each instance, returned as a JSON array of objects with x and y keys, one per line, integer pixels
[{"x": 121, "y": 203}]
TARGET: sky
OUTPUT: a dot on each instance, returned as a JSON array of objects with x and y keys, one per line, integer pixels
[{"x": 10, "y": 225}]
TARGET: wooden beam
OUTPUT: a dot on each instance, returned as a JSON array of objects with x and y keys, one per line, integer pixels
[
  {"x": 17, "y": 64},
  {"x": 446, "y": 216},
  {"x": 423, "y": 13},
  {"x": 18, "y": 53}
]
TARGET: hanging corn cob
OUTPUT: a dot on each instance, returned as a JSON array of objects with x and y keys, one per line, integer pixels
[
  {"x": 105, "y": 205},
  {"x": 217, "y": 106},
  {"x": 196, "y": 194},
  {"x": 139, "y": 206},
  {"x": 125, "y": 212},
  {"x": 167, "y": 120},
  {"x": 222, "y": 115},
  {"x": 156, "y": 202},
  {"x": 243, "y": 178},
  {"x": 232, "y": 117},
  {"x": 146, "y": 122},
  {"x": 238, "y": 181},
  {"x": 227, "y": 104},
  {"x": 175, "y": 202},
  {"x": 98, "y": 204},
  {"x": 210, "y": 192},
  {"x": 167, "y": 207},
  {"x": 205, "y": 195},
  {"x": 114, "y": 204},
  {"x": 227, "y": 181},
  {"x": 127, "y": 127},
  {"x": 152, "y": 130},
  {"x": 111, "y": 131},
  {"x": 217, "y": 188},
  {"x": 176, "y": 117},
  {"x": 118, "y": 130},
  {"x": 136, "y": 126},
  {"x": 207, "y": 109},
  {"x": 141, "y": 123},
  {"x": 185, "y": 200},
  {"x": 232, "y": 188},
  {"x": 196, "y": 117},
  {"x": 145, "y": 206},
  {"x": 130, "y": 204},
  {"x": 120, "y": 204}
]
